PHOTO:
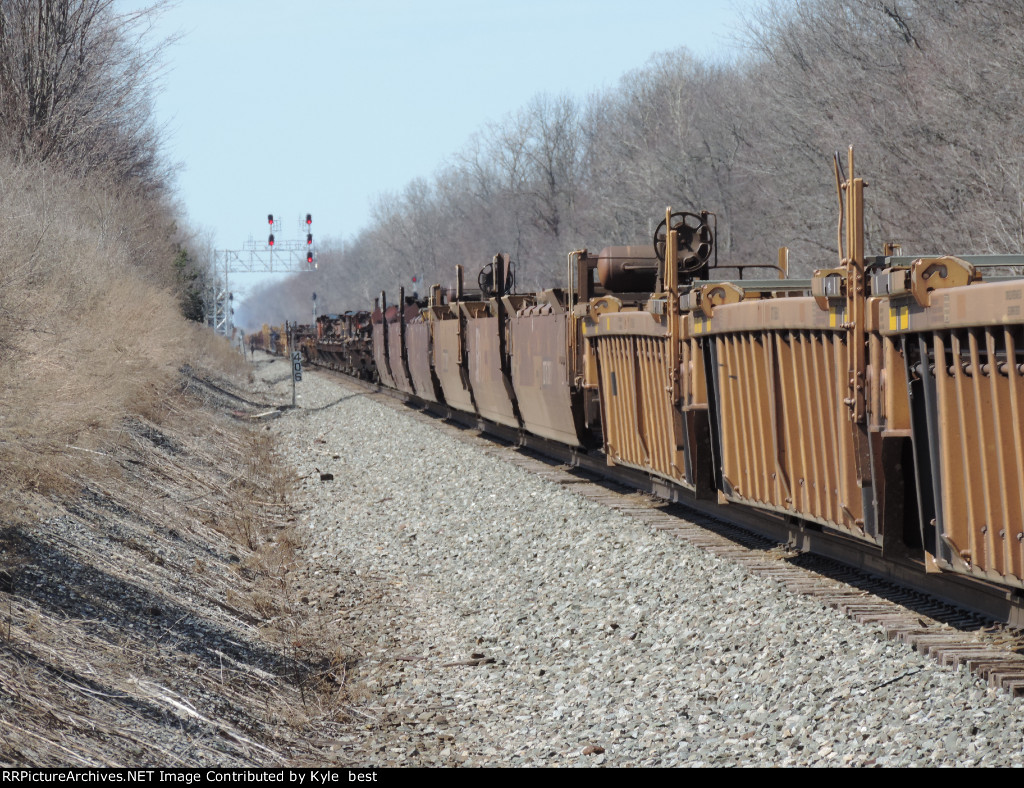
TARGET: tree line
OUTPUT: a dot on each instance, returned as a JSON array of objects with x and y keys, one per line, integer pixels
[{"x": 928, "y": 91}]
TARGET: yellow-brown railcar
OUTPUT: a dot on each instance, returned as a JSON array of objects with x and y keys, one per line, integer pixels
[{"x": 882, "y": 398}]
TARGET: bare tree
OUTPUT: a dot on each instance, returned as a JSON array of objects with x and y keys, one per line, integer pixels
[
  {"x": 76, "y": 86},
  {"x": 928, "y": 91}
]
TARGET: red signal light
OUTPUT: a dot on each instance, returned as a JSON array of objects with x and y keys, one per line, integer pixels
[
  {"x": 309, "y": 218},
  {"x": 309, "y": 239},
  {"x": 309, "y": 257},
  {"x": 270, "y": 240},
  {"x": 270, "y": 218}
]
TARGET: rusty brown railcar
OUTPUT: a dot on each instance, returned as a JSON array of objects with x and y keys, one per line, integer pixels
[
  {"x": 344, "y": 343},
  {"x": 882, "y": 398},
  {"x": 358, "y": 344},
  {"x": 450, "y": 363},
  {"x": 420, "y": 341},
  {"x": 495, "y": 349},
  {"x": 653, "y": 400},
  {"x": 304, "y": 340},
  {"x": 485, "y": 328},
  {"x": 382, "y": 317},
  {"x": 421, "y": 367},
  {"x": 779, "y": 368},
  {"x": 962, "y": 339},
  {"x": 789, "y": 374},
  {"x": 328, "y": 350},
  {"x": 642, "y": 426},
  {"x": 545, "y": 375},
  {"x": 486, "y": 331},
  {"x": 398, "y": 349}
]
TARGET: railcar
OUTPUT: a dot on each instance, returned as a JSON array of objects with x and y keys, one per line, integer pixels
[
  {"x": 882, "y": 398},
  {"x": 272, "y": 339},
  {"x": 342, "y": 343}
]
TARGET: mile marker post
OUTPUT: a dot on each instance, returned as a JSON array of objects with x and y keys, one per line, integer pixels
[{"x": 296, "y": 371}]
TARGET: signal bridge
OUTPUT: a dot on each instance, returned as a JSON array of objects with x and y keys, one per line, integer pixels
[
  {"x": 285, "y": 257},
  {"x": 281, "y": 257}
]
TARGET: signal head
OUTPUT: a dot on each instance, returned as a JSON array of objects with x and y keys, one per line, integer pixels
[{"x": 270, "y": 240}]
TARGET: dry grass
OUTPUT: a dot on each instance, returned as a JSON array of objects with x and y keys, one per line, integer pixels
[
  {"x": 206, "y": 349},
  {"x": 150, "y": 618},
  {"x": 91, "y": 335}
]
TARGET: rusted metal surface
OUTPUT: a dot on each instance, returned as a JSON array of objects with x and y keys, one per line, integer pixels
[
  {"x": 343, "y": 343},
  {"x": 541, "y": 373},
  {"x": 492, "y": 389},
  {"x": 789, "y": 378},
  {"x": 420, "y": 354},
  {"x": 450, "y": 365},
  {"x": 398, "y": 357},
  {"x": 642, "y": 427},
  {"x": 379, "y": 357},
  {"x": 484, "y": 343},
  {"x": 398, "y": 351},
  {"x": 381, "y": 343}
]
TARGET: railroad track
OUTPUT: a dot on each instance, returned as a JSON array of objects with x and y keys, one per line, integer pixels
[{"x": 958, "y": 622}]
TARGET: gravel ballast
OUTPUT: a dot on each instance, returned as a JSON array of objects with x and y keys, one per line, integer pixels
[{"x": 499, "y": 619}]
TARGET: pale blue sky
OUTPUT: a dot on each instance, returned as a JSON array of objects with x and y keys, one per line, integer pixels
[{"x": 320, "y": 105}]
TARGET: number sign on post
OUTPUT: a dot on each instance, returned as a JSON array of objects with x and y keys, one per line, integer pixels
[{"x": 296, "y": 372}]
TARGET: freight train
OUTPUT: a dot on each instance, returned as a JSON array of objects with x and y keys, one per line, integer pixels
[{"x": 882, "y": 398}]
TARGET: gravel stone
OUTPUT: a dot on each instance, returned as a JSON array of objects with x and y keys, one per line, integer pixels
[{"x": 604, "y": 633}]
